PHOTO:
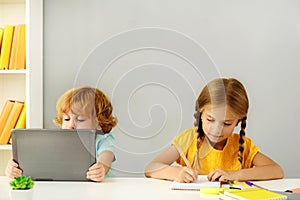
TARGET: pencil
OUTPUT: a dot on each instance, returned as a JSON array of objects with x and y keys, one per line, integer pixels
[
  {"x": 182, "y": 154},
  {"x": 251, "y": 184}
]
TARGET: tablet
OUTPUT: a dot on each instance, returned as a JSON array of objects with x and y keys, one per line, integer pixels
[{"x": 54, "y": 154}]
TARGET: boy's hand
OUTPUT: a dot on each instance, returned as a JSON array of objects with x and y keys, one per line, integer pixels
[
  {"x": 96, "y": 172},
  {"x": 12, "y": 169},
  {"x": 187, "y": 175}
]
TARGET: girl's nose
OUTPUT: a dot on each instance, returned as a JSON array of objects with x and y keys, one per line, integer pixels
[{"x": 217, "y": 128}]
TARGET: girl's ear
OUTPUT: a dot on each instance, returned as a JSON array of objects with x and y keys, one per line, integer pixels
[
  {"x": 200, "y": 116},
  {"x": 197, "y": 118}
]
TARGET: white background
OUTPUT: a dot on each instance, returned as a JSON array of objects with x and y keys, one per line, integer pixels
[{"x": 152, "y": 59}]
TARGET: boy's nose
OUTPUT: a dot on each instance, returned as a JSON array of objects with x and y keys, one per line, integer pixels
[{"x": 72, "y": 124}]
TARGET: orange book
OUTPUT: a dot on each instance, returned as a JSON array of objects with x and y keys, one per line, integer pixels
[
  {"x": 11, "y": 122},
  {"x": 5, "y": 114},
  {"x": 18, "y": 49},
  {"x": 6, "y": 46}
]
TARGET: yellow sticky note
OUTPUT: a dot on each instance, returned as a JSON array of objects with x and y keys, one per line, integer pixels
[{"x": 209, "y": 190}]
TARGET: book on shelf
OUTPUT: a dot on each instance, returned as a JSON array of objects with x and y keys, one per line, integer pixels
[
  {"x": 11, "y": 122},
  {"x": 18, "y": 49},
  {"x": 21, "y": 123},
  {"x": 1, "y": 37},
  {"x": 251, "y": 194},
  {"x": 6, "y": 46},
  {"x": 201, "y": 182},
  {"x": 9, "y": 104}
]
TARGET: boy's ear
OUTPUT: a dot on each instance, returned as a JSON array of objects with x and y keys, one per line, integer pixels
[{"x": 99, "y": 127}]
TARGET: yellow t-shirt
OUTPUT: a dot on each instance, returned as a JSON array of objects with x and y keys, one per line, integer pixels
[{"x": 210, "y": 158}]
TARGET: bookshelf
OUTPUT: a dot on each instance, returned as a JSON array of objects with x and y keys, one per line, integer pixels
[{"x": 24, "y": 85}]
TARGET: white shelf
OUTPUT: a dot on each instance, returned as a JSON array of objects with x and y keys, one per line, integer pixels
[
  {"x": 25, "y": 85},
  {"x": 5, "y": 147},
  {"x": 21, "y": 71},
  {"x": 13, "y": 83},
  {"x": 12, "y": 1}
]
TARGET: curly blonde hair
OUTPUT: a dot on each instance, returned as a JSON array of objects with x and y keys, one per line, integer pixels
[{"x": 91, "y": 101}]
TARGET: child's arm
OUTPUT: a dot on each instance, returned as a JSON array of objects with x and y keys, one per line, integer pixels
[
  {"x": 98, "y": 171},
  {"x": 264, "y": 169},
  {"x": 12, "y": 169},
  {"x": 160, "y": 167}
]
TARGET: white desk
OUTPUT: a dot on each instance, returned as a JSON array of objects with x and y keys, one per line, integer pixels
[
  {"x": 280, "y": 184},
  {"x": 124, "y": 188},
  {"x": 111, "y": 188}
]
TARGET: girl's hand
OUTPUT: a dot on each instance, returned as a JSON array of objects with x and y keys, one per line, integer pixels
[
  {"x": 222, "y": 175},
  {"x": 12, "y": 169},
  {"x": 96, "y": 172},
  {"x": 187, "y": 175}
]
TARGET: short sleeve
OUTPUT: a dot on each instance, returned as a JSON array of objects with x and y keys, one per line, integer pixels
[
  {"x": 187, "y": 140},
  {"x": 249, "y": 153},
  {"x": 104, "y": 143},
  {"x": 184, "y": 139}
]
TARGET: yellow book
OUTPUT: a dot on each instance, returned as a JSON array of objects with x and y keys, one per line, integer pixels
[
  {"x": 1, "y": 37},
  {"x": 5, "y": 114},
  {"x": 21, "y": 123},
  {"x": 251, "y": 194},
  {"x": 18, "y": 49},
  {"x": 6, "y": 46},
  {"x": 11, "y": 122}
]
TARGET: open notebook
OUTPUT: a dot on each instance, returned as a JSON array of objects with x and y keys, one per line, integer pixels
[{"x": 201, "y": 182}]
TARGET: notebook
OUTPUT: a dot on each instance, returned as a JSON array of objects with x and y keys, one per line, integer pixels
[
  {"x": 58, "y": 155},
  {"x": 251, "y": 194},
  {"x": 201, "y": 182}
]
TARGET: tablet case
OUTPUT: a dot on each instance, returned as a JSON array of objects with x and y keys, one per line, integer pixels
[{"x": 50, "y": 154}]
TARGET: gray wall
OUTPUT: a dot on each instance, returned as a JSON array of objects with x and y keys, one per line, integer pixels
[{"x": 153, "y": 57}]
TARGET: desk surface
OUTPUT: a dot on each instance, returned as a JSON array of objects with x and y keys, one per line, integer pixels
[
  {"x": 110, "y": 188},
  {"x": 124, "y": 188}
]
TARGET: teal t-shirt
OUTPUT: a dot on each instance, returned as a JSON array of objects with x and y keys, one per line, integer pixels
[{"x": 105, "y": 143}]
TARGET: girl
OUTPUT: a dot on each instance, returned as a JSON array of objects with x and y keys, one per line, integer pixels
[
  {"x": 211, "y": 147},
  {"x": 85, "y": 108}
]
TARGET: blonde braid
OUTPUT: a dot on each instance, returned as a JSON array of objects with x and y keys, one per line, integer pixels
[
  {"x": 242, "y": 140},
  {"x": 198, "y": 124}
]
